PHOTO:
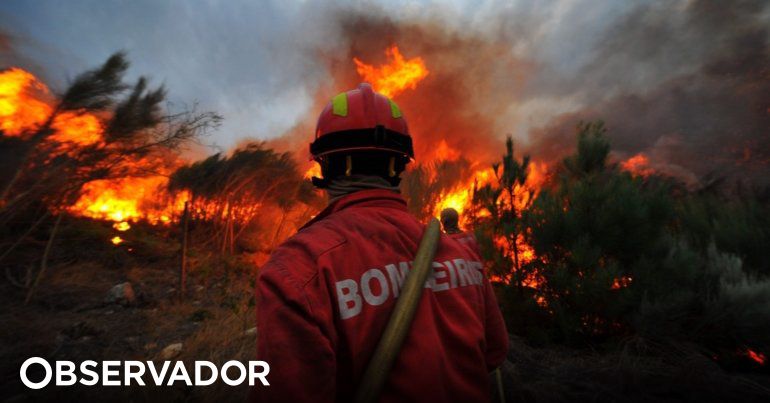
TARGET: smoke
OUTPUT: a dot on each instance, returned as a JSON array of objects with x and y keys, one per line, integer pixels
[
  {"x": 686, "y": 83},
  {"x": 683, "y": 81},
  {"x": 690, "y": 87}
]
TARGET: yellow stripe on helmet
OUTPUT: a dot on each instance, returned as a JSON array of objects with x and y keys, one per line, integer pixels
[
  {"x": 340, "y": 104},
  {"x": 395, "y": 111}
]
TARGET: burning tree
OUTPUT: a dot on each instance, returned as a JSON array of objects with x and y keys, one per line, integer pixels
[
  {"x": 624, "y": 254},
  {"x": 255, "y": 185},
  {"x": 59, "y": 147},
  {"x": 500, "y": 210},
  {"x": 89, "y": 134},
  {"x": 426, "y": 186},
  {"x": 591, "y": 232}
]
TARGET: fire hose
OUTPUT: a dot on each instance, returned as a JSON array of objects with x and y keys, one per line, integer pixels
[{"x": 401, "y": 319}]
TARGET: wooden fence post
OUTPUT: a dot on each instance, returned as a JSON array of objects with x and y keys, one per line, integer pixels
[{"x": 183, "y": 255}]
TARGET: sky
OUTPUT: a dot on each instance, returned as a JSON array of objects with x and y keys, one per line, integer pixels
[
  {"x": 239, "y": 59},
  {"x": 660, "y": 72},
  {"x": 251, "y": 61}
]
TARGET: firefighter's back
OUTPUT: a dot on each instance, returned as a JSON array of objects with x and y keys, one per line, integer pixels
[{"x": 351, "y": 266}]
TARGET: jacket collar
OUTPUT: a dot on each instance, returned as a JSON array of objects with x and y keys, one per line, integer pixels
[{"x": 362, "y": 198}]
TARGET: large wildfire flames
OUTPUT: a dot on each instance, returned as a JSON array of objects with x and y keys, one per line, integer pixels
[
  {"x": 400, "y": 74},
  {"x": 25, "y": 104}
]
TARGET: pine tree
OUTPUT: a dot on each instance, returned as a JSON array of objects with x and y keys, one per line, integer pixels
[
  {"x": 595, "y": 233},
  {"x": 501, "y": 232}
]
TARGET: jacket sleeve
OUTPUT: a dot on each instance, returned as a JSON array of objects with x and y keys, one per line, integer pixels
[
  {"x": 496, "y": 333},
  {"x": 291, "y": 340}
]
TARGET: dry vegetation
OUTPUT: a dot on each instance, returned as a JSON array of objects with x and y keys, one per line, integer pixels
[{"x": 69, "y": 319}]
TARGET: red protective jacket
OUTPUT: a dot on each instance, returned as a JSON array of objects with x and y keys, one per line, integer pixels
[
  {"x": 466, "y": 239},
  {"x": 326, "y": 294}
]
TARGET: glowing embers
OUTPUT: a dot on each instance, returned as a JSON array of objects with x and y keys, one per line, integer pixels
[
  {"x": 122, "y": 226},
  {"x": 757, "y": 357}
]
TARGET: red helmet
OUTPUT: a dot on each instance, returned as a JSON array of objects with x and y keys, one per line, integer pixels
[{"x": 361, "y": 119}]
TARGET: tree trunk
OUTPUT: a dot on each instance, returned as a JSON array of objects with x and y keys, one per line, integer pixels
[
  {"x": 183, "y": 254},
  {"x": 26, "y": 234},
  {"x": 516, "y": 264}
]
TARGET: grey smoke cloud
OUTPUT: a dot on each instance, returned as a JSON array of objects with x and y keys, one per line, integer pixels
[
  {"x": 688, "y": 86},
  {"x": 684, "y": 81}
]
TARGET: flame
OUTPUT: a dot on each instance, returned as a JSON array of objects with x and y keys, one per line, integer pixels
[
  {"x": 444, "y": 152},
  {"x": 23, "y": 108},
  {"x": 116, "y": 240},
  {"x": 621, "y": 282},
  {"x": 460, "y": 198},
  {"x": 84, "y": 129},
  {"x": 638, "y": 165},
  {"x": 399, "y": 74},
  {"x": 394, "y": 77},
  {"x": 313, "y": 171},
  {"x": 25, "y": 105},
  {"x": 20, "y": 106},
  {"x": 122, "y": 226},
  {"x": 128, "y": 199}
]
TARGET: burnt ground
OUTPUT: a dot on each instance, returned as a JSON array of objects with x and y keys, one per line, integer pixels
[{"x": 68, "y": 318}]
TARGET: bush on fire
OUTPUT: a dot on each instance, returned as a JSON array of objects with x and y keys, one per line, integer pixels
[{"x": 624, "y": 255}]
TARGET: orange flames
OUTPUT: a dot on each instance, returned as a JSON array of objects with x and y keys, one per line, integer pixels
[
  {"x": 460, "y": 199},
  {"x": 20, "y": 108},
  {"x": 399, "y": 74},
  {"x": 122, "y": 226},
  {"x": 83, "y": 129},
  {"x": 313, "y": 171},
  {"x": 394, "y": 77},
  {"x": 621, "y": 282},
  {"x": 129, "y": 199},
  {"x": 26, "y": 105},
  {"x": 389, "y": 79},
  {"x": 638, "y": 165}
]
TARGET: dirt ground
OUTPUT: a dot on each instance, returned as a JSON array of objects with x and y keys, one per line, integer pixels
[{"x": 69, "y": 318}]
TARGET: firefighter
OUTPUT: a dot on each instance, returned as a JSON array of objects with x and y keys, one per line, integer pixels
[
  {"x": 326, "y": 294},
  {"x": 450, "y": 221}
]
